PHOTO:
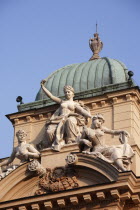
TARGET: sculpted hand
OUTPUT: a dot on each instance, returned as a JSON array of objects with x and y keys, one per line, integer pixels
[
  {"x": 125, "y": 133},
  {"x": 26, "y": 156},
  {"x": 42, "y": 82}
]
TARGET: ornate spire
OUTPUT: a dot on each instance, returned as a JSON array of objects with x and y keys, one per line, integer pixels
[{"x": 96, "y": 45}]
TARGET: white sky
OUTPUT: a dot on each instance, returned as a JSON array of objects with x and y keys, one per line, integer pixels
[{"x": 39, "y": 36}]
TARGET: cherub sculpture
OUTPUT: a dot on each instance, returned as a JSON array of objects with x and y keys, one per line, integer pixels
[
  {"x": 92, "y": 143},
  {"x": 66, "y": 123}
]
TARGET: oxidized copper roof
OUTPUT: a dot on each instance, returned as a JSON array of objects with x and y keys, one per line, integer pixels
[{"x": 85, "y": 76}]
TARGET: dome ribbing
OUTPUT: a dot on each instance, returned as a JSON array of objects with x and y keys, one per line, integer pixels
[{"x": 85, "y": 76}]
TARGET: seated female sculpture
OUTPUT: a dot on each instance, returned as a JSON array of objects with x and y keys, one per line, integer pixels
[
  {"x": 92, "y": 142},
  {"x": 64, "y": 125},
  {"x": 23, "y": 151}
]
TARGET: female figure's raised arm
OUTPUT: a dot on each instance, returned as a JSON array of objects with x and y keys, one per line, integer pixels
[{"x": 48, "y": 93}]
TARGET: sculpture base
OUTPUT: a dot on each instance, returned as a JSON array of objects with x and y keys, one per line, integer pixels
[{"x": 95, "y": 56}]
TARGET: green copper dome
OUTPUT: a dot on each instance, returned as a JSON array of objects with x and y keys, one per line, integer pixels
[{"x": 86, "y": 77}]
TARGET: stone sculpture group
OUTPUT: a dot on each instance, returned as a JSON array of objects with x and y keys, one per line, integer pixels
[{"x": 69, "y": 124}]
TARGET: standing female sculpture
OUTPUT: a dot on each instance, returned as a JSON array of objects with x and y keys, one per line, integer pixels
[
  {"x": 92, "y": 142},
  {"x": 65, "y": 123}
]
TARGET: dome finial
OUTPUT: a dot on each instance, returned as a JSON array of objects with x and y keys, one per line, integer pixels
[
  {"x": 96, "y": 45},
  {"x": 96, "y": 27}
]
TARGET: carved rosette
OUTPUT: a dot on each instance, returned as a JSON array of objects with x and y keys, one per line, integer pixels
[
  {"x": 36, "y": 167},
  {"x": 71, "y": 159},
  {"x": 57, "y": 179}
]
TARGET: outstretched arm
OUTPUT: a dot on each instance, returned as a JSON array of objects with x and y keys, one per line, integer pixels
[
  {"x": 48, "y": 93},
  {"x": 83, "y": 111},
  {"x": 32, "y": 152},
  {"x": 115, "y": 132},
  {"x": 10, "y": 159}
]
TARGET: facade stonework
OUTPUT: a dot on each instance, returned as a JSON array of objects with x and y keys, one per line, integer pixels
[{"x": 54, "y": 166}]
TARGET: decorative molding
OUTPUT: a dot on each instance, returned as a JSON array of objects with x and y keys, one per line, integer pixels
[
  {"x": 136, "y": 198},
  {"x": 61, "y": 203},
  {"x": 103, "y": 103},
  {"x": 22, "y": 208},
  {"x": 28, "y": 118},
  {"x": 10, "y": 209},
  {"x": 115, "y": 193},
  {"x": 74, "y": 200},
  {"x": 16, "y": 121},
  {"x": 100, "y": 195},
  {"x": 49, "y": 115},
  {"x": 57, "y": 179},
  {"x": 87, "y": 198},
  {"x": 128, "y": 97},
  {"x": 94, "y": 105},
  {"x": 36, "y": 167},
  {"x": 115, "y": 100},
  {"x": 71, "y": 159},
  {"x": 125, "y": 196},
  {"x": 35, "y": 207},
  {"x": 108, "y": 196},
  {"x": 41, "y": 117},
  {"x": 48, "y": 205}
]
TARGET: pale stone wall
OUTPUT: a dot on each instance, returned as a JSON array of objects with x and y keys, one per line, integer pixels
[{"x": 121, "y": 111}]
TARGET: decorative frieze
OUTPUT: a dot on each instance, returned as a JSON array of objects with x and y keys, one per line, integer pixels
[
  {"x": 104, "y": 199},
  {"x": 57, "y": 179}
]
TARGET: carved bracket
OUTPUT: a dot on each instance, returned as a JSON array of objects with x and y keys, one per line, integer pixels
[{"x": 36, "y": 167}]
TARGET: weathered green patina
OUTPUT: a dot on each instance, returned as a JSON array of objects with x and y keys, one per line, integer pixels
[
  {"x": 85, "y": 76},
  {"x": 88, "y": 79}
]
